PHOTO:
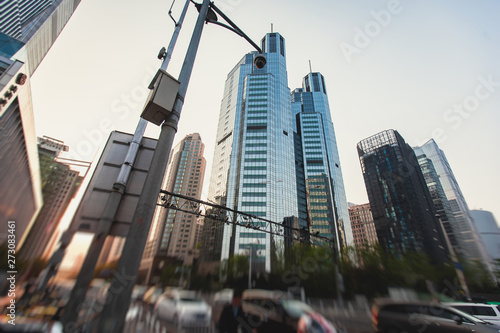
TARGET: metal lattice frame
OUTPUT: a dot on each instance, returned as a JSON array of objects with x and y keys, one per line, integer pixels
[{"x": 222, "y": 214}]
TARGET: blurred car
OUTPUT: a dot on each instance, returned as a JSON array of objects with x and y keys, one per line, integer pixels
[
  {"x": 222, "y": 299},
  {"x": 484, "y": 311},
  {"x": 314, "y": 323},
  {"x": 273, "y": 311},
  {"x": 390, "y": 316},
  {"x": 225, "y": 296},
  {"x": 151, "y": 295},
  {"x": 183, "y": 309}
]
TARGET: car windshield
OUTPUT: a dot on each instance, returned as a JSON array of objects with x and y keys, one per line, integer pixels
[
  {"x": 189, "y": 297},
  {"x": 190, "y": 300},
  {"x": 296, "y": 308}
]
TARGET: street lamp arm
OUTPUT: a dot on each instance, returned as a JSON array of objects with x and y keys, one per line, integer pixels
[
  {"x": 237, "y": 30},
  {"x": 212, "y": 18},
  {"x": 226, "y": 26},
  {"x": 170, "y": 13}
]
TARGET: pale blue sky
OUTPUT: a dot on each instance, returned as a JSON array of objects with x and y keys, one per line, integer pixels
[{"x": 412, "y": 62}]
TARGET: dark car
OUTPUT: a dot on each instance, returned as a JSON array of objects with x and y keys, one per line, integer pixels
[{"x": 389, "y": 316}]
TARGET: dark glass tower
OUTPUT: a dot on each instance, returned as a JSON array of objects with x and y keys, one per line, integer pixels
[{"x": 402, "y": 207}]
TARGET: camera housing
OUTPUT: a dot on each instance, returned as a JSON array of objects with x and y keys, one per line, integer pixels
[{"x": 260, "y": 61}]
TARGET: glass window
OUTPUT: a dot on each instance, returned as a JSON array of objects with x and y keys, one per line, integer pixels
[{"x": 272, "y": 43}]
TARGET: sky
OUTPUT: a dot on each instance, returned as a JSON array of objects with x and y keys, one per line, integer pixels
[{"x": 428, "y": 69}]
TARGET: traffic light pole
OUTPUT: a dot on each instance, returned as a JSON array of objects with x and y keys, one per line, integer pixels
[{"x": 113, "y": 315}]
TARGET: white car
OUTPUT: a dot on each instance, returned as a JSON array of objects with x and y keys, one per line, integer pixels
[
  {"x": 484, "y": 311},
  {"x": 184, "y": 309}
]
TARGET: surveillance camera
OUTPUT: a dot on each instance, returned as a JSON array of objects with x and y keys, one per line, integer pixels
[
  {"x": 162, "y": 53},
  {"x": 260, "y": 61}
]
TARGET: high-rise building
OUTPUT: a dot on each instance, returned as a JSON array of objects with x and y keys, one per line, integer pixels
[
  {"x": 20, "y": 181},
  {"x": 401, "y": 205},
  {"x": 453, "y": 207},
  {"x": 19, "y": 16},
  {"x": 489, "y": 230},
  {"x": 363, "y": 227},
  {"x": 28, "y": 28},
  {"x": 59, "y": 185},
  {"x": 174, "y": 233},
  {"x": 441, "y": 204},
  {"x": 36, "y": 23},
  {"x": 318, "y": 163},
  {"x": 253, "y": 167},
  {"x": 275, "y": 157}
]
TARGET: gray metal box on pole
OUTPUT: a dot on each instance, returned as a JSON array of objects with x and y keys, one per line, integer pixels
[{"x": 161, "y": 99}]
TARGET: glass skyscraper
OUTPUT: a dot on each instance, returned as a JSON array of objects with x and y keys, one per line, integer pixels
[
  {"x": 402, "y": 207},
  {"x": 19, "y": 16},
  {"x": 461, "y": 224},
  {"x": 276, "y": 158},
  {"x": 253, "y": 168},
  {"x": 36, "y": 23},
  {"x": 319, "y": 164}
]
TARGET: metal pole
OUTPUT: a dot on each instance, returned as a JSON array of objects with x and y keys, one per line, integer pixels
[
  {"x": 250, "y": 270},
  {"x": 113, "y": 315},
  {"x": 85, "y": 276}
]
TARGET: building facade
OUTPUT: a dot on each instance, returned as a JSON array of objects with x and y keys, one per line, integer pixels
[
  {"x": 59, "y": 185},
  {"x": 36, "y": 23},
  {"x": 453, "y": 207},
  {"x": 488, "y": 229},
  {"x": 275, "y": 158},
  {"x": 253, "y": 167},
  {"x": 363, "y": 227},
  {"x": 319, "y": 163},
  {"x": 28, "y": 29},
  {"x": 20, "y": 182},
  {"x": 401, "y": 205},
  {"x": 175, "y": 233}
]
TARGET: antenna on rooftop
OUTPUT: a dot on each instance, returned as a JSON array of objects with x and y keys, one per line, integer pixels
[
  {"x": 310, "y": 67},
  {"x": 272, "y": 28}
]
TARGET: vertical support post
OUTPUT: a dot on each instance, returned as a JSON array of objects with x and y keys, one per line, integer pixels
[
  {"x": 250, "y": 270},
  {"x": 113, "y": 315},
  {"x": 85, "y": 276}
]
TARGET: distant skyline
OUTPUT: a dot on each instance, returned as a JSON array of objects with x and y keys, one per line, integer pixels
[{"x": 426, "y": 69}]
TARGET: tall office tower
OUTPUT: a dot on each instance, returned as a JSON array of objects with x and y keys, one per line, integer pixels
[
  {"x": 325, "y": 195},
  {"x": 463, "y": 227},
  {"x": 59, "y": 185},
  {"x": 20, "y": 183},
  {"x": 363, "y": 227},
  {"x": 489, "y": 231},
  {"x": 173, "y": 232},
  {"x": 36, "y": 23},
  {"x": 400, "y": 201},
  {"x": 253, "y": 167}
]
